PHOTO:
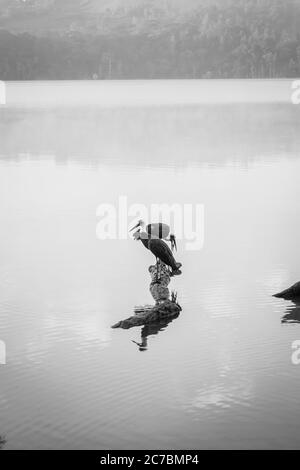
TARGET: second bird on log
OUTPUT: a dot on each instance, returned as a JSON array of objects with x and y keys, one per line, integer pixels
[
  {"x": 157, "y": 230},
  {"x": 160, "y": 250}
]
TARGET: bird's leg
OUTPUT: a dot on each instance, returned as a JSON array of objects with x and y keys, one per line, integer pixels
[{"x": 157, "y": 269}]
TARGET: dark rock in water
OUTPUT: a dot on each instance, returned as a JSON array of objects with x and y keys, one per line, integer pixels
[{"x": 292, "y": 292}]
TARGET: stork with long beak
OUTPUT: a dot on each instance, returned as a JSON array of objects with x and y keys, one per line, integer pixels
[
  {"x": 157, "y": 231},
  {"x": 160, "y": 250}
]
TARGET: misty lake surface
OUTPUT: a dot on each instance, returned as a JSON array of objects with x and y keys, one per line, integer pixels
[{"x": 218, "y": 376}]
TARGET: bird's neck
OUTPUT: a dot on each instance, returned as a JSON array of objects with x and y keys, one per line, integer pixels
[{"x": 144, "y": 239}]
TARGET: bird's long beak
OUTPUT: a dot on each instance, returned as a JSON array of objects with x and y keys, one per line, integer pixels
[{"x": 136, "y": 226}]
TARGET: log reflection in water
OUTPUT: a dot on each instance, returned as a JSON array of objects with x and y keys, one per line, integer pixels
[
  {"x": 154, "y": 317},
  {"x": 152, "y": 329}
]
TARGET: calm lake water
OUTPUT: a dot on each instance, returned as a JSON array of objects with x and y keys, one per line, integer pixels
[{"x": 218, "y": 376}]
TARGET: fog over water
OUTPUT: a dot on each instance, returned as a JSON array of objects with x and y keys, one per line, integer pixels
[{"x": 220, "y": 375}]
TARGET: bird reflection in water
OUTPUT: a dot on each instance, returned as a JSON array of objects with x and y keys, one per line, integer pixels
[
  {"x": 153, "y": 329},
  {"x": 154, "y": 318}
]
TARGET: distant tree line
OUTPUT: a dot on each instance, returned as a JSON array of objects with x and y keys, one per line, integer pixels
[{"x": 229, "y": 39}]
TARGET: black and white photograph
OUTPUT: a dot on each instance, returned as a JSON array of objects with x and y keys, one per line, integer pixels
[{"x": 149, "y": 227}]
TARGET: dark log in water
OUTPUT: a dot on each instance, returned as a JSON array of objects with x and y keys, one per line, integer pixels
[
  {"x": 164, "y": 308},
  {"x": 291, "y": 293}
]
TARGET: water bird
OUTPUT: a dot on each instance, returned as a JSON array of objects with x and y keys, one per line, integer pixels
[
  {"x": 159, "y": 248},
  {"x": 157, "y": 230}
]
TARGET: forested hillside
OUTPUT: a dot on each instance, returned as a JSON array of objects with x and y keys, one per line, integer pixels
[{"x": 114, "y": 39}]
